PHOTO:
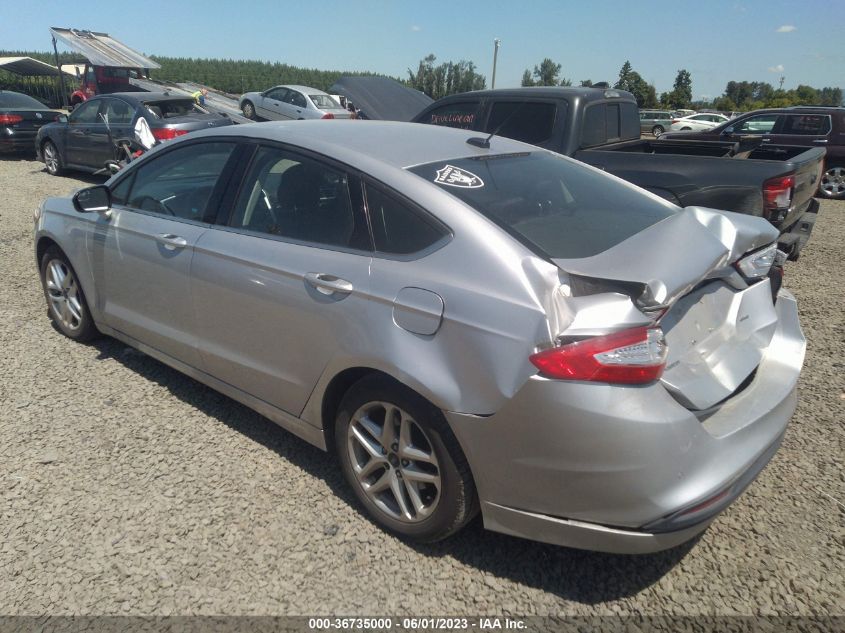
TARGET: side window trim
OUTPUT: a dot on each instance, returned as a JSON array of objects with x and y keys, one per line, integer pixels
[{"x": 825, "y": 116}]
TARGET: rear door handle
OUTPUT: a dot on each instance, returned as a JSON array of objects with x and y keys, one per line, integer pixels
[
  {"x": 820, "y": 140},
  {"x": 328, "y": 284},
  {"x": 172, "y": 242}
]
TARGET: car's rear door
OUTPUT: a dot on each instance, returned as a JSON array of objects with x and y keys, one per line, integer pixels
[
  {"x": 283, "y": 282},
  {"x": 807, "y": 129},
  {"x": 142, "y": 251}
]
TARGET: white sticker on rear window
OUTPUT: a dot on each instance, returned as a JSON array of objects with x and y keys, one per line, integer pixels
[{"x": 457, "y": 177}]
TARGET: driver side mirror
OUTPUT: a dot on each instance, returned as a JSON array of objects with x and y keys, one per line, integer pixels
[
  {"x": 62, "y": 118},
  {"x": 728, "y": 131},
  {"x": 96, "y": 198}
]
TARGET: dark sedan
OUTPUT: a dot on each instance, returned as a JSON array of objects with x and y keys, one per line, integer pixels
[
  {"x": 21, "y": 116},
  {"x": 82, "y": 140}
]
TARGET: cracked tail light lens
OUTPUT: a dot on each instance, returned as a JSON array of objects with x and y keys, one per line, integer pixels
[
  {"x": 630, "y": 357},
  {"x": 758, "y": 263},
  {"x": 777, "y": 195},
  {"x": 10, "y": 119}
]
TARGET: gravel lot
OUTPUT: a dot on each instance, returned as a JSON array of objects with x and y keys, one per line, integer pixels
[{"x": 127, "y": 488}]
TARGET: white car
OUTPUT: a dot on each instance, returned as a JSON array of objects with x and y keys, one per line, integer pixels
[
  {"x": 283, "y": 103},
  {"x": 697, "y": 122}
]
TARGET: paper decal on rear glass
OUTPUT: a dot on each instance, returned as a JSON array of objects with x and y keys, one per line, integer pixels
[{"x": 457, "y": 177}]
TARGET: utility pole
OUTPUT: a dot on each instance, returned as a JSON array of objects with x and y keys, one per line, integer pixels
[
  {"x": 496, "y": 42},
  {"x": 781, "y": 82}
]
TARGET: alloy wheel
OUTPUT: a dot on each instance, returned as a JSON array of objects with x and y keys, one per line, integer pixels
[
  {"x": 833, "y": 182},
  {"x": 394, "y": 462},
  {"x": 248, "y": 110},
  {"x": 51, "y": 158},
  {"x": 63, "y": 293}
]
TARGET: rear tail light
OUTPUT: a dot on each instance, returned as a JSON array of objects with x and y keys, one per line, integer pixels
[
  {"x": 777, "y": 196},
  {"x": 630, "y": 357},
  {"x": 327, "y": 115},
  {"x": 758, "y": 263},
  {"x": 676, "y": 120},
  {"x": 166, "y": 133},
  {"x": 9, "y": 119}
]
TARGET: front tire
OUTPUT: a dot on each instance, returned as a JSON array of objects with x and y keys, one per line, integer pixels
[
  {"x": 832, "y": 185},
  {"x": 249, "y": 110},
  {"x": 52, "y": 159},
  {"x": 403, "y": 462},
  {"x": 657, "y": 130},
  {"x": 66, "y": 304}
]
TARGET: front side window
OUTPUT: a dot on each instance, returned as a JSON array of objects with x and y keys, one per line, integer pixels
[
  {"x": 762, "y": 124},
  {"x": 807, "y": 124},
  {"x": 398, "y": 229},
  {"x": 526, "y": 121},
  {"x": 296, "y": 99},
  {"x": 291, "y": 196},
  {"x": 277, "y": 94},
  {"x": 179, "y": 183},
  {"x": 85, "y": 113},
  {"x": 459, "y": 115},
  {"x": 556, "y": 206}
]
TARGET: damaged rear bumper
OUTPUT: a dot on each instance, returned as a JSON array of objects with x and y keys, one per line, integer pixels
[{"x": 627, "y": 469}]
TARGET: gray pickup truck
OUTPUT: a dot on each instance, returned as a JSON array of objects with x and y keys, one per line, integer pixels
[{"x": 601, "y": 127}]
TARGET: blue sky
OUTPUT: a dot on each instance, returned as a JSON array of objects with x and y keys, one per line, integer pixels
[{"x": 754, "y": 40}]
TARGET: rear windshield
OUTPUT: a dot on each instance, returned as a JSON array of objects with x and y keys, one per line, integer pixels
[
  {"x": 556, "y": 206},
  {"x": 324, "y": 101},
  {"x": 173, "y": 108},
  {"x": 16, "y": 100}
]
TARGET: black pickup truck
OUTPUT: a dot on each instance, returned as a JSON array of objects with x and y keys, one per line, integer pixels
[{"x": 601, "y": 127}]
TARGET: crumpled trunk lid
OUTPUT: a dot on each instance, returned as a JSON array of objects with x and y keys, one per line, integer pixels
[{"x": 716, "y": 332}]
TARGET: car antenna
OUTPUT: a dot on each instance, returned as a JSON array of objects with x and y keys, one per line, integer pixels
[{"x": 484, "y": 143}]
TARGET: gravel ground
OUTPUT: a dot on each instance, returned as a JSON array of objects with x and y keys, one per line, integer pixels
[{"x": 127, "y": 488}]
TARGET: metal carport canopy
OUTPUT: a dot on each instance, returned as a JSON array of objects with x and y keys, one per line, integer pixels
[
  {"x": 27, "y": 66},
  {"x": 101, "y": 49}
]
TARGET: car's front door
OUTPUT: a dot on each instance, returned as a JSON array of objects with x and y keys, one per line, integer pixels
[
  {"x": 81, "y": 123},
  {"x": 272, "y": 104},
  {"x": 141, "y": 252},
  {"x": 758, "y": 125},
  {"x": 281, "y": 286}
]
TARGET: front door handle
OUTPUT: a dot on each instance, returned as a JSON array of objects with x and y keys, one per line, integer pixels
[
  {"x": 328, "y": 284},
  {"x": 172, "y": 242},
  {"x": 820, "y": 140}
]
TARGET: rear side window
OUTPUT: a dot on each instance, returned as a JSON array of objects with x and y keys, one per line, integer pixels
[
  {"x": 526, "y": 121},
  {"x": 460, "y": 115},
  {"x": 807, "y": 124},
  {"x": 605, "y": 122},
  {"x": 179, "y": 183},
  {"x": 399, "y": 229},
  {"x": 556, "y": 206}
]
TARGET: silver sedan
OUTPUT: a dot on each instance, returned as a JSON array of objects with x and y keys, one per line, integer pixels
[
  {"x": 283, "y": 103},
  {"x": 469, "y": 325}
]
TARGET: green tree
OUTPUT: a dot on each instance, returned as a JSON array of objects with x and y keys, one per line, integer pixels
[
  {"x": 586, "y": 83},
  {"x": 527, "y": 78},
  {"x": 682, "y": 89},
  {"x": 547, "y": 73}
]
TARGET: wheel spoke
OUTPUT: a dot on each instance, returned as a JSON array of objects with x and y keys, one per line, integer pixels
[
  {"x": 416, "y": 474},
  {"x": 367, "y": 443},
  {"x": 388, "y": 430},
  {"x": 75, "y": 308},
  {"x": 364, "y": 472},
  {"x": 379, "y": 485},
  {"x": 398, "y": 490},
  {"x": 414, "y": 496},
  {"x": 367, "y": 423},
  {"x": 57, "y": 273},
  {"x": 65, "y": 313}
]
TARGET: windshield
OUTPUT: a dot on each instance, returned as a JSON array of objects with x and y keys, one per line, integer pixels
[
  {"x": 17, "y": 100},
  {"x": 556, "y": 206},
  {"x": 173, "y": 108},
  {"x": 324, "y": 101}
]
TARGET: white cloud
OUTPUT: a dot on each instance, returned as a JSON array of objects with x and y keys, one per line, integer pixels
[
  {"x": 786, "y": 28},
  {"x": 416, "y": 28},
  {"x": 776, "y": 69}
]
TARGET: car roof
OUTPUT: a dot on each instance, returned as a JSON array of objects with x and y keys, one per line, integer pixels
[
  {"x": 305, "y": 89},
  {"x": 582, "y": 92},
  {"x": 145, "y": 97},
  {"x": 354, "y": 142}
]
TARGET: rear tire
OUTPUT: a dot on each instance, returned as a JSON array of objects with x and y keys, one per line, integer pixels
[
  {"x": 52, "y": 159},
  {"x": 832, "y": 185},
  {"x": 686, "y": 129},
  {"x": 402, "y": 461},
  {"x": 66, "y": 304},
  {"x": 657, "y": 130}
]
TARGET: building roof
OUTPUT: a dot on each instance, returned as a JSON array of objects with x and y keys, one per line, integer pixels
[
  {"x": 28, "y": 66},
  {"x": 101, "y": 49}
]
